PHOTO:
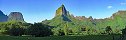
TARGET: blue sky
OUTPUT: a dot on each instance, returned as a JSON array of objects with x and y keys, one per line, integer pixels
[{"x": 38, "y": 10}]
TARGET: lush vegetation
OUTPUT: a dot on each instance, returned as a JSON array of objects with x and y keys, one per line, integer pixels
[
  {"x": 69, "y": 25},
  {"x": 22, "y": 28},
  {"x": 65, "y": 26}
]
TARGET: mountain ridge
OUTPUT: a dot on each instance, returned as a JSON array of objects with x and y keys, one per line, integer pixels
[
  {"x": 90, "y": 23},
  {"x": 63, "y": 20},
  {"x": 13, "y": 16},
  {"x": 3, "y": 17}
]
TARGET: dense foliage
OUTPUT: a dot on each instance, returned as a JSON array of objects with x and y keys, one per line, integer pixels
[
  {"x": 87, "y": 26},
  {"x": 65, "y": 24},
  {"x": 21, "y": 28},
  {"x": 39, "y": 29}
]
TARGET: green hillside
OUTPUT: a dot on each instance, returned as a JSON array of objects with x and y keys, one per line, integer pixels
[{"x": 81, "y": 25}]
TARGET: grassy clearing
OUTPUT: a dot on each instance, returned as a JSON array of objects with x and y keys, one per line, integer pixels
[{"x": 89, "y": 37}]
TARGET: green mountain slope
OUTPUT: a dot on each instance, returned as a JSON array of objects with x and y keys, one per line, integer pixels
[{"x": 83, "y": 25}]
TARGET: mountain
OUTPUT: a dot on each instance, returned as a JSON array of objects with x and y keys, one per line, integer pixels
[
  {"x": 61, "y": 11},
  {"x": 15, "y": 16},
  {"x": 120, "y": 13},
  {"x": 76, "y": 23},
  {"x": 61, "y": 17},
  {"x": 3, "y": 17}
]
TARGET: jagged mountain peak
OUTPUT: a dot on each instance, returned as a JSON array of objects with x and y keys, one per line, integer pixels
[
  {"x": 62, "y": 5},
  {"x": 61, "y": 11}
]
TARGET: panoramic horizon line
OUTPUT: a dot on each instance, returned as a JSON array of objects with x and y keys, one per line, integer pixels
[{"x": 76, "y": 16}]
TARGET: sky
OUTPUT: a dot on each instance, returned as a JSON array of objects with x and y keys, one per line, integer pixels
[{"x": 39, "y": 10}]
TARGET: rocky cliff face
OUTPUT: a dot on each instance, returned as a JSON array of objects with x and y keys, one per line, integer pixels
[
  {"x": 61, "y": 11},
  {"x": 15, "y": 16},
  {"x": 3, "y": 17},
  {"x": 120, "y": 13},
  {"x": 62, "y": 14}
]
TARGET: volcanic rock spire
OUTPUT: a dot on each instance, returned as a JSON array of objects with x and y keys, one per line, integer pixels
[{"x": 61, "y": 11}]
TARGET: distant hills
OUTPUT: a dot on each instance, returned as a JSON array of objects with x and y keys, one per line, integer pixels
[{"x": 13, "y": 16}]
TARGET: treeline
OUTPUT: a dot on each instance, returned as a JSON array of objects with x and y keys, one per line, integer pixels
[
  {"x": 20, "y": 28},
  {"x": 40, "y": 29}
]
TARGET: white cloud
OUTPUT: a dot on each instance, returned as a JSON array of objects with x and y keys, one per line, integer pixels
[
  {"x": 123, "y": 3},
  {"x": 109, "y": 7}
]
